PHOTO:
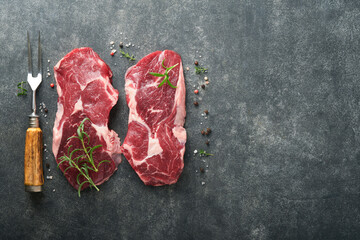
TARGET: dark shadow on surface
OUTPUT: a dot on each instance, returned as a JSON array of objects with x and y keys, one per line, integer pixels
[
  {"x": 114, "y": 115},
  {"x": 36, "y": 198}
]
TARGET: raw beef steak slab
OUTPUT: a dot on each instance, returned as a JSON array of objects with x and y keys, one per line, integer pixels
[
  {"x": 84, "y": 87},
  {"x": 155, "y": 141}
]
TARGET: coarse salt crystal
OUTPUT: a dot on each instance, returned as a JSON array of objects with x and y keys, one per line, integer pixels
[
  {"x": 54, "y": 190},
  {"x": 49, "y": 177},
  {"x": 206, "y": 78},
  {"x": 195, "y": 151},
  {"x": 203, "y": 183},
  {"x": 112, "y": 43},
  {"x": 187, "y": 68},
  {"x": 48, "y": 60}
]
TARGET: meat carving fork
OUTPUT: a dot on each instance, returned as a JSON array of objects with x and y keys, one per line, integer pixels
[{"x": 33, "y": 166}]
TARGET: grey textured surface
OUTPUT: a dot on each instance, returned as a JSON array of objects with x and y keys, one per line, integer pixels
[{"x": 284, "y": 108}]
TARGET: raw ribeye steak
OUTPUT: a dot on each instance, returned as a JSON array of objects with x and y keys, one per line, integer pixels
[
  {"x": 84, "y": 87},
  {"x": 155, "y": 141}
]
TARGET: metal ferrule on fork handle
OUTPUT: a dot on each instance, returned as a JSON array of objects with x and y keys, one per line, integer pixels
[{"x": 34, "y": 121}]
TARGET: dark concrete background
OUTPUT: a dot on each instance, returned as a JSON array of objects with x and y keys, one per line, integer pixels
[{"x": 284, "y": 109}]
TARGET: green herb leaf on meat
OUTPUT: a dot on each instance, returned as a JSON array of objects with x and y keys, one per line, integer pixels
[
  {"x": 84, "y": 162},
  {"x": 165, "y": 75}
]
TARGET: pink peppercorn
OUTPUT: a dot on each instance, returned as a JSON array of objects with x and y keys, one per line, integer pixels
[{"x": 196, "y": 91}]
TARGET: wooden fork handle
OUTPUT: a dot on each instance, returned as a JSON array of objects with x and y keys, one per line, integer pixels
[{"x": 33, "y": 160}]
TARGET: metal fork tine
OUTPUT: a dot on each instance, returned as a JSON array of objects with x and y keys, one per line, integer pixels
[
  {"x": 29, "y": 54},
  {"x": 39, "y": 55}
]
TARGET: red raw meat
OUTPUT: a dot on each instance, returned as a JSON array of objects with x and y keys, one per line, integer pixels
[
  {"x": 84, "y": 87},
  {"x": 155, "y": 142}
]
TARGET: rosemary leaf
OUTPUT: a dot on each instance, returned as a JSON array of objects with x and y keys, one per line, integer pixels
[
  {"x": 21, "y": 88},
  {"x": 102, "y": 162},
  {"x": 199, "y": 70},
  {"x": 80, "y": 186},
  {"x": 127, "y": 55},
  {"x": 84, "y": 162},
  {"x": 165, "y": 75},
  {"x": 204, "y": 153},
  {"x": 157, "y": 74},
  {"x": 77, "y": 178}
]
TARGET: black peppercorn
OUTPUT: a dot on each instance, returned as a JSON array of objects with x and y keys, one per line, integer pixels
[
  {"x": 206, "y": 111},
  {"x": 47, "y": 165},
  {"x": 196, "y": 103},
  {"x": 196, "y": 63},
  {"x": 208, "y": 130},
  {"x": 203, "y": 86},
  {"x": 202, "y": 132},
  {"x": 207, "y": 142},
  {"x": 121, "y": 45},
  {"x": 46, "y": 110},
  {"x": 202, "y": 170}
]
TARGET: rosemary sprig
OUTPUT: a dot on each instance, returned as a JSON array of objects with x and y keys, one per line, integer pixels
[
  {"x": 85, "y": 161},
  {"x": 127, "y": 55},
  {"x": 165, "y": 75},
  {"x": 204, "y": 153},
  {"x": 21, "y": 88},
  {"x": 199, "y": 70}
]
